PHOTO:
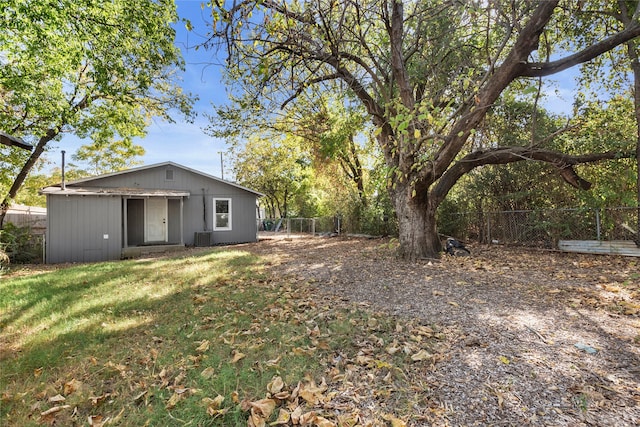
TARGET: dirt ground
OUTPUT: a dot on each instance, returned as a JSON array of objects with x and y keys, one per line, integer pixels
[{"x": 533, "y": 337}]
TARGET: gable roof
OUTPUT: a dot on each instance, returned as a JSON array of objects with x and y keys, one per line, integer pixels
[
  {"x": 156, "y": 165},
  {"x": 7, "y": 139}
]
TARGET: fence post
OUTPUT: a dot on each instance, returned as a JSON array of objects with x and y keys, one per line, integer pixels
[
  {"x": 288, "y": 227},
  {"x": 489, "y": 240},
  {"x": 598, "y": 227},
  {"x": 313, "y": 227}
]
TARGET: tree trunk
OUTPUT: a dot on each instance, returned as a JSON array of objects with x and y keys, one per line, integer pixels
[
  {"x": 635, "y": 66},
  {"x": 418, "y": 235},
  {"x": 24, "y": 172}
]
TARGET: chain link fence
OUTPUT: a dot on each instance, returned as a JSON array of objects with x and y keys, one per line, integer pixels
[
  {"x": 544, "y": 228},
  {"x": 536, "y": 228}
]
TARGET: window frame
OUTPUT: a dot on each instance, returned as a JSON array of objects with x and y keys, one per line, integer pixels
[{"x": 229, "y": 226}]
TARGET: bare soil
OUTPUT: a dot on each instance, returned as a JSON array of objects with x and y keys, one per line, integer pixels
[{"x": 532, "y": 337}]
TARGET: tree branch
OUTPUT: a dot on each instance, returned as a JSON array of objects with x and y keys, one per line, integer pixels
[
  {"x": 540, "y": 69},
  {"x": 564, "y": 163}
]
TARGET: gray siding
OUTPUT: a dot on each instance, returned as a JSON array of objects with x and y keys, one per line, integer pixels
[
  {"x": 90, "y": 228},
  {"x": 83, "y": 229},
  {"x": 198, "y": 210}
]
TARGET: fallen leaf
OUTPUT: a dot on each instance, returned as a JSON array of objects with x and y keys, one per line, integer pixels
[
  {"x": 173, "y": 400},
  {"x": 97, "y": 400},
  {"x": 395, "y": 422},
  {"x": 504, "y": 360},
  {"x": 71, "y": 387},
  {"x": 273, "y": 362},
  {"x": 296, "y": 415},
  {"x": 207, "y": 373},
  {"x": 283, "y": 418},
  {"x": 323, "y": 422},
  {"x": 203, "y": 347},
  {"x": 54, "y": 410},
  {"x": 261, "y": 410},
  {"x": 263, "y": 407},
  {"x": 237, "y": 356},
  {"x": 453, "y": 303},
  {"x": 57, "y": 399},
  {"x": 96, "y": 420},
  {"x": 213, "y": 406},
  {"x": 276, "y": 385},
  {"x": 421, "y": 355}
]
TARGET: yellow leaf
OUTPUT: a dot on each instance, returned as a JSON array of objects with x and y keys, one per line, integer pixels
[
  {"x": 204, "y": 346},
  {"x": 217, "y": 412},
  {"x": 207, "y": 373},
  {"x": 393, "y": 348},
  {"x": 213, "y": 403},
  {"x": 237, "y": 356},
  {"x": 312, "y": 393},
  {"x": 417, "y": 134},
  {"x": 395, "y": 422},
  {"x": 235, "y": 398},
  {"x": 261, "y": 410},
  {"x": 323, "y": 422},
  {"x": 37, "y": 372},
  {"x": 296, "y": 415},
  {"x": 276, "y": 385},
  {"x": 173, "y": 400},
  {"x": 283, "y": 418},
  {"x": 423, "y": 330},
  {"x": 504, "y": 360},
  {"x": 308, "y": 418},
  {"x": 421, "y": 355},
  {"x": 71, "y": 386},
  {"x": 96, "y": 420}
]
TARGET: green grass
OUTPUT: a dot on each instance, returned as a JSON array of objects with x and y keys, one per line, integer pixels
[{"x": 144, "y": 342}]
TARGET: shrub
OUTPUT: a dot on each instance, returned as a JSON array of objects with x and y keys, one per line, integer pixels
[{"x": 19, "y": 245}]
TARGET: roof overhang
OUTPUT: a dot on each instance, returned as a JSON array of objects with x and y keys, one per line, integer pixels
[
  {"x": 128, "y": 192},
  {"x": 156, "y": 165},
  {"x": 7, "y": 139}
]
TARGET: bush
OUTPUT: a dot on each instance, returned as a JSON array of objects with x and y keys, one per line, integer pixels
[
  {"x": 19, "y": 246},
  {"x": 4, "y": 260}
]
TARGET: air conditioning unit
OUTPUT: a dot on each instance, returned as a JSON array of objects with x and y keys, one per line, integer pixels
[{"x": 202, "y": 238}]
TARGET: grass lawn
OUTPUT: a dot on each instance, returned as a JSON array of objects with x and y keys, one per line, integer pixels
[{"x": 206, "y": 339}]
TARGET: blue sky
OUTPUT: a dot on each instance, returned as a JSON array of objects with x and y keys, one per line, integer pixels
[
  {"x": 186, "y": 143},
  {"x": 181, "y": 142}
]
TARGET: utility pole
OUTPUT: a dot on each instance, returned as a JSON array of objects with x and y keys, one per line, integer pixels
[{"x": 221, "y": 164}]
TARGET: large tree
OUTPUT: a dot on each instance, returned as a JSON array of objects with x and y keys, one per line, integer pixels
[
  {"x": 98, "y": 69},
  {"x": 427, "y": 73}
]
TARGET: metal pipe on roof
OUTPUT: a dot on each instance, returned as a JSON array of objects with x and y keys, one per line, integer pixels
[{"x": 62, "y": 185}]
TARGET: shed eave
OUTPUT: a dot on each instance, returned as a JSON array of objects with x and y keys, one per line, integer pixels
[{"x": 127, "y": 192}]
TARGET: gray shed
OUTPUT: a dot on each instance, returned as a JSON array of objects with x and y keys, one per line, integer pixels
[{"x": 147, "y": 209}]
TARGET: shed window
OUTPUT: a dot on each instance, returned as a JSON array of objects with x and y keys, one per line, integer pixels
[
  {"x": 168, "y": 175},
  {"x": 222, "y": 214}
]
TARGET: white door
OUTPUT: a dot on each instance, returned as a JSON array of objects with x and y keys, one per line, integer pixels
[{"x": 155, "y": 229}]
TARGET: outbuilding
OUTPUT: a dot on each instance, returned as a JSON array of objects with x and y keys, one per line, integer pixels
[{"x": 151, "y": 208}]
